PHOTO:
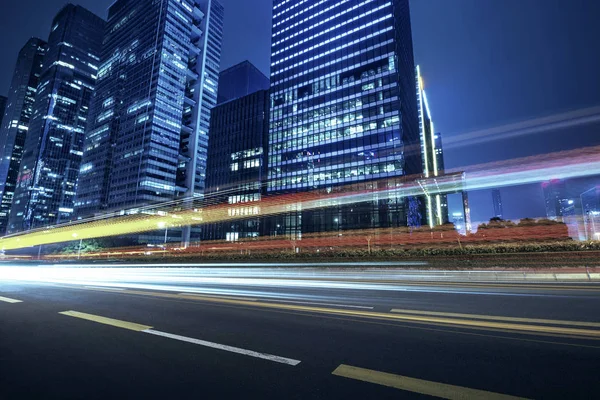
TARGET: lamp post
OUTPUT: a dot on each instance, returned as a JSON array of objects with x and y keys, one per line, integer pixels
[{"x": 80, "y": 243}]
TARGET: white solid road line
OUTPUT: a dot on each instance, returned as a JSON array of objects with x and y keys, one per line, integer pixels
[
  {"x": 250, "y": 353},
  {"x": 7, "y": 300},
  {"x": 103, "y": 288},
  {"x": 316, "y": 304}
]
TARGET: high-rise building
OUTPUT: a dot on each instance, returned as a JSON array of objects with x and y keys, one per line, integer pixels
[
  {"x": 158, "y": 79},
  {"x": 562, "y": 204},
  {"x": 554, "y": 197},
  {"x": 343, "y": 108},
  {"x": 590, "y": 201},
  {"x": 439, "y": 152},
  {"x": 497, "y": 203},
  {"x": 46, "y": 185},
  {"x": 237, "y": 164},
  {"x": 237, "y": 152},
  {"x": 240, "y": 80},
  {"x": 458, "y": 219},
  {"x": 432, "y": 156},
  {"x": 3, "y": 100},
  {"x": 15, "y": 124}
]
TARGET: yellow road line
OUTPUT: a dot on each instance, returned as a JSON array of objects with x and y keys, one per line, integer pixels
[
  {"x": 107, "y": 321},
  {"x": 420, "y": 386},
  {"x": 7, "y": 300},
  {"x": 499, "y": 318},
  {"x": 462, "y": 323}
]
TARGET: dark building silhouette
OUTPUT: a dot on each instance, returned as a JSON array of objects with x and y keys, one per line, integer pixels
[
  {"x": 3, "y": 100},
  {"x": 237, "y": 164},
  {"x": 240, "y": 80}
]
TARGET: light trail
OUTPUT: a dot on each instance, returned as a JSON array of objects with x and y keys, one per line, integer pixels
[
  {"x": 561, "y": 165},
  {"x": 563, "y": 120}
]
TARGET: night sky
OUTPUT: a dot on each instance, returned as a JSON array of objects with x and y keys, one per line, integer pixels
[{"x": 486, "y": 63}]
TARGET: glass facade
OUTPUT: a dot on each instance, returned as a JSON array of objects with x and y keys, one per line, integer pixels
[
  {"x": 497, "y": 202},
  {"x": 148, "y": 136},
  {"x": 240, "y": 80},
  {"x": 237, "y": 165},
  {"x": 3, "y": 100},
  {"x": 343, "y": 109},
  {"x": 590, "y": 201},
  {"x": 15, "y": 124},
  {"x": 432, "y": 156},
  {"x": 46, "y": 185}
]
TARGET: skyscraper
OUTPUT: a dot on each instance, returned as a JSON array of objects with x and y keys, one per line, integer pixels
[
  {"x": 554, "y": 197},
  {"x": 432, "y": 156},
  {"x": 439, "y": 152},
  {"x": 237, "y": 164},
  {"x": 148, "y": 135},
  {"x": 343, "y": 107},
  {"x": 3, "y": 100},
  {"x": 458, "y": 219},
  {"x": 497, "y": 202},
  {"x": 17, "y": 115},
  {"x": 237, "y": 151},
  {"x": 45, "y": 191},
  {"x": 241, "y": 80},
  {"x": 590, "y": 201}
]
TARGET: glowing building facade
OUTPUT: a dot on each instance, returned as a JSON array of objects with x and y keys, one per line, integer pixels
[
  {"x": 157, "y": 83},
  {"x": 432, "y": 156},
  {"x": 343, "y": 109},
  {"x": 15, "y": 124},
  {"x": 45, "y": 190}
]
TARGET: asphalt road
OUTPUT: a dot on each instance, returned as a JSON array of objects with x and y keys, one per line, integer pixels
[{"x": 174, "y": 334}]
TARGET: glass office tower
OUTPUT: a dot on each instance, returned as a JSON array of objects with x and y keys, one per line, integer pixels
[
  {"x": 241, "y": 80},
  {"x": 3, "y": 100},
  {"x": 590, "y": 201},
  {"x": 239, "y": 132},
  {"x": 15, "y": 124},
  {"x": 343, "y": 109},
  {"x": 432, "y": 156},
  {"x": 48, "y": 174},
  {"x": 237, "y": 164},
  {"x": 497, "y": 203},
  {"x": 148, "y": 136}
]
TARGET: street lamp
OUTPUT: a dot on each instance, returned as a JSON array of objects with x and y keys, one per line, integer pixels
[
  {"x": 80, "y": 242},
  {"x": 164, "y": 225}
]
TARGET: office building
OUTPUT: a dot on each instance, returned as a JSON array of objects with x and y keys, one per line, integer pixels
[
  {"x": 237, "y": 163},
  {"x": 46, "y": 185},
  {"x": 590, "y": 201},
  {"x": 3, "y": 100},
  {"x": 15, "y": 124},
  {"x": 343, "y": 109},
  {"x": 432, "y": 156},
  {"x": 240, "y": 80},
  {"x": 554, "y": 197},
  {"x": 458, "y": 219},
  {"x": 439, "y": 153},
  {"x": 563, "y": 204},
  {"x": 158, "y": 79},
  {"x": 497, "y": 203}
]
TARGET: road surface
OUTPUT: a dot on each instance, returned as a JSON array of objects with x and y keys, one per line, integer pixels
[{"x": 264, "y": 334}]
